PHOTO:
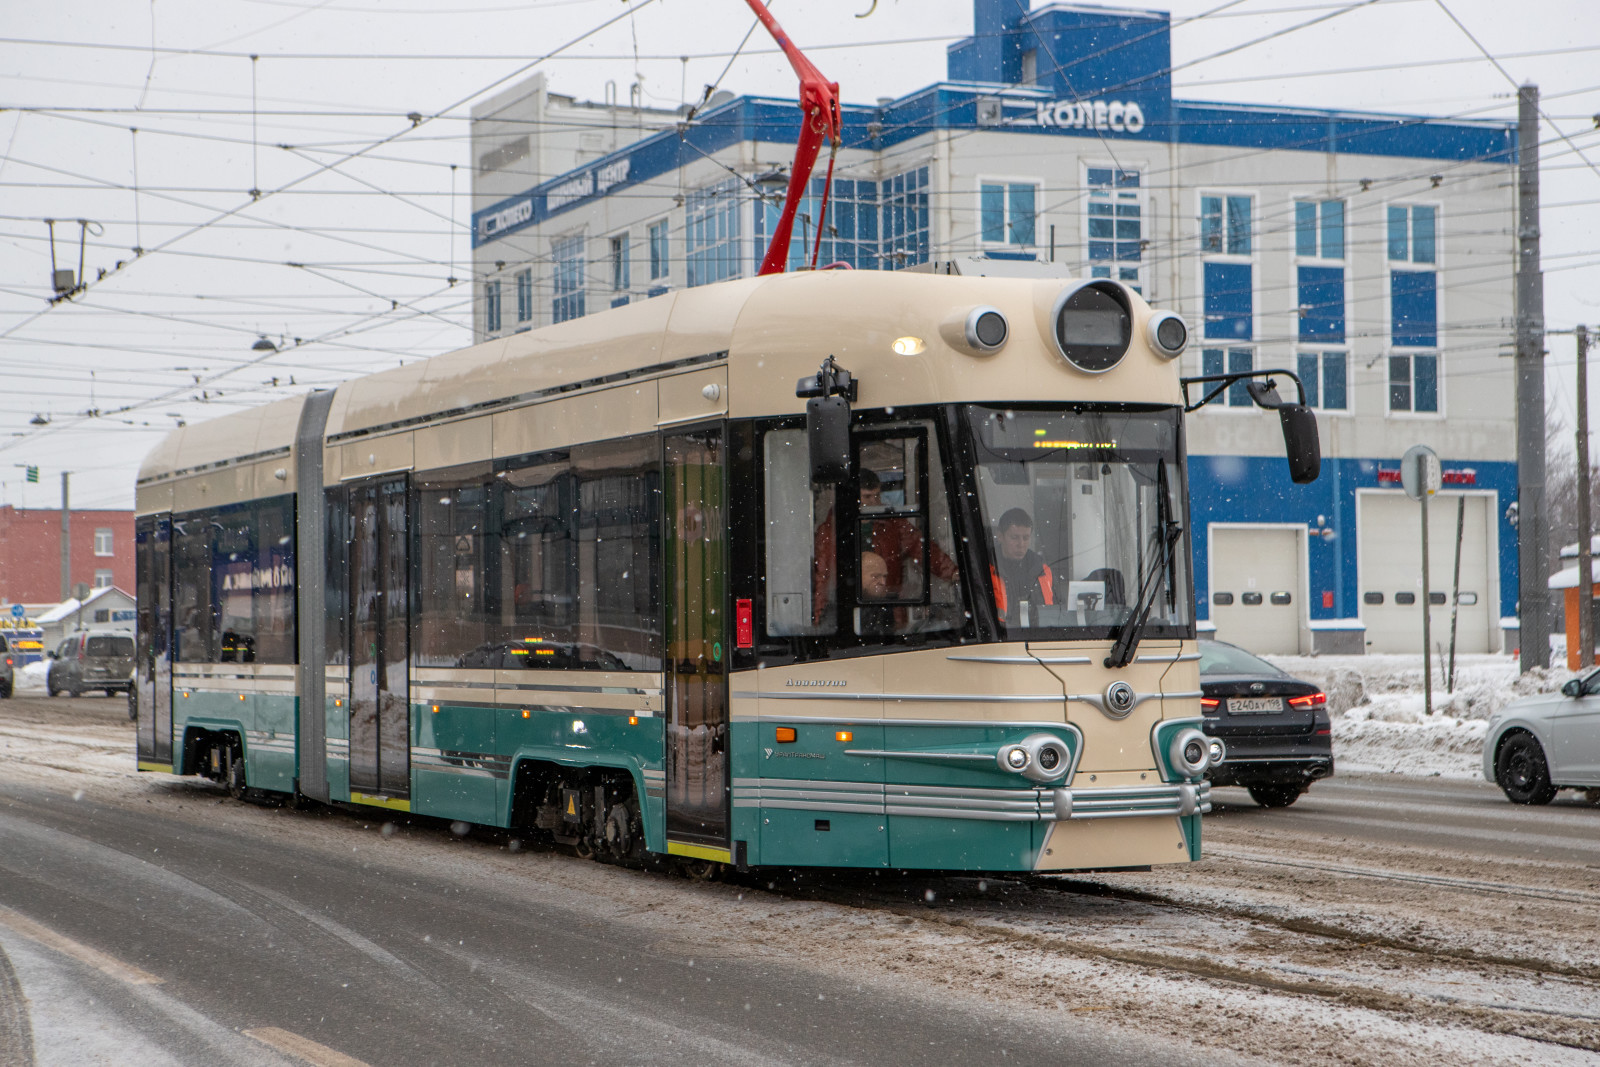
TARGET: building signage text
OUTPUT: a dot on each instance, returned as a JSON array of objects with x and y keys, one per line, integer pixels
[
  {"x": 593, "y": 183},
  {"x": 1463, "y": 476},
  {"x": 1118, "y": 116},
  {"x": 505, "y": 219}
]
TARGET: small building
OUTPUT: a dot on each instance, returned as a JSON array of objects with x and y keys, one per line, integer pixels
[{"x": 104, "y": 609}]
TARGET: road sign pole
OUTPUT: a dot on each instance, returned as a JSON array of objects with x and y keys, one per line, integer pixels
[{"x": 1427, "y": 612}]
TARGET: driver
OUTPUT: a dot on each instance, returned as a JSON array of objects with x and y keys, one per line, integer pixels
[{"x": 1019, "y": 574}]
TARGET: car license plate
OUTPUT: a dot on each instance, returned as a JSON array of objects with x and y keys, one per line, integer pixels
[{"x": 1253, "y": 705}]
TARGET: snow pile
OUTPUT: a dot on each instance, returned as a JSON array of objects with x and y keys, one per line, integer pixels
[
  {"x": 1380, "y": 724},
  {"x": 32, "y": 677}
]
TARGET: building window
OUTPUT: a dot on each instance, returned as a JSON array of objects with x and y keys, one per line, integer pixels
[
  {"x": 849, "y": 235},
  {"x": 525, "y": 295},
  {"x": 1326, "y": 378},
  {"x": 905, "y": 219},
  {"x": 1225, "y": 225},
  {"x": 1319, "y": 229},
  {"x": 102, "y": 615},
  {"x": 102, "y": 579},
  {"x": 567, "y": 304},
  {"x": 491, "y": 306},
  {"x": 658, "y": 250},
  {"x": 711, "y": 233},
  {"x": 1007, "y": 212},
  {"x": 1414, "y": 382},
  {"x": 1413, "y": 233},
  {"x": 619, "y": 263},
  {"x": 1115, "y": 222},
  {"x": 1030, "y": 67},
  {"x": 1230, "y": 361},
  {"x": 102, "y": 542}
]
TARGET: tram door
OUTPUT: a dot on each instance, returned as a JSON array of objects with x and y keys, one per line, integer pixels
[
  {"x": 380, "y": 696},
  {"x": 153, "y": 664},
  {"x": 694, "y": 516}
]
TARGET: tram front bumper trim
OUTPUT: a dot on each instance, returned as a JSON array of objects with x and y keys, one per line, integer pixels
[
  {"x": 994, "y": 805},
  {"x": 1185, "y": 798}
]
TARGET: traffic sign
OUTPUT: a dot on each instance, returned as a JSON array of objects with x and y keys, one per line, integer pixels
[
  {"x": 1420, "y": 473},
  {"x": 18, "y": 611}
]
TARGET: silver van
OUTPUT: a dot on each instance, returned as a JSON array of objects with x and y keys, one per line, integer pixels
[{"x": 93, "y": 659}]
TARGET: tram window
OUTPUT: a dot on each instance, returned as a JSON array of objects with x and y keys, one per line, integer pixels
[
  {"x": 1078, "y": 504},
  {"x": 618, "y": 493},
  {"x": 233, "y": 570},
  {"x": 802, "y": 580},
  {"x": 450, "y": 512},
  {"x": 1252, "y": 599},
  {"x": 1405, "y": 599},
  {"x": 570, "y": 565},
  {"x": 894, "y": 567},
  {"x": 1221, "y": 600}
]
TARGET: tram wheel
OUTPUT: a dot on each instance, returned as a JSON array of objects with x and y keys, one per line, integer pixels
[{"x": 235, "y": 776}]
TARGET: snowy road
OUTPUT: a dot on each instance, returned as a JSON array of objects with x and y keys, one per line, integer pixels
[{"x": 1380, "y": 920}]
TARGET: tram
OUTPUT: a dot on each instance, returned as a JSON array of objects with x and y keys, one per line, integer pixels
[{"x": 624, "y": 583}]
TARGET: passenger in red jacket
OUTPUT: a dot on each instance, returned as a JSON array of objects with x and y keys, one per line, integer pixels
[{"x": 1022, "y": 579}]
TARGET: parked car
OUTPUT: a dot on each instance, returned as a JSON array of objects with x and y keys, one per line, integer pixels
[
  {"x": 91, "y": 659},
  {"x": 1541, "y": 744},
  {"x": 1275, "y": 725},
  {"x": 8, "y": 677}
]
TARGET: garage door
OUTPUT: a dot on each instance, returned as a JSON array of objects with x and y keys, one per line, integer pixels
[
  {"x": 1256, "y": 599},
  {"x": 1391, "y": 573}
]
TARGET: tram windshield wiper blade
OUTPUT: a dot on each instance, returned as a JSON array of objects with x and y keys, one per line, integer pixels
[{"x": 1127, "y": 643}]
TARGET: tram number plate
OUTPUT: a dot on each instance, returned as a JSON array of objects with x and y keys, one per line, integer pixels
[{"x": 1253, "y": 705}]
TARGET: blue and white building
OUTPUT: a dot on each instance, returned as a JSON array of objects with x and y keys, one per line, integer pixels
[{"x": 1373, "y": 254}]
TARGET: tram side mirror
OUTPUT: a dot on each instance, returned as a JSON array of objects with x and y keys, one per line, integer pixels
[
  {"x": 828, "y": 432},
  {"x": 1301, "y": 443}
]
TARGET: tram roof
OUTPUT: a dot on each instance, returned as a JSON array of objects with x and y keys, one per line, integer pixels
[{"x": 772, "y": 331}]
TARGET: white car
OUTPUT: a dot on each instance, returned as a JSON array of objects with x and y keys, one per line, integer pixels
[{"x": 1540, "y": 744}]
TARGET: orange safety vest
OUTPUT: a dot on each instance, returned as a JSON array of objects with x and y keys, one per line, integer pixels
[{"x": 1046, "y": 588}]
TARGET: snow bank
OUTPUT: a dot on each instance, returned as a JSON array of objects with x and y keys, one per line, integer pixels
[
  {"x": 1380, "y": 725},
  {"x": 31, "y": 677}
]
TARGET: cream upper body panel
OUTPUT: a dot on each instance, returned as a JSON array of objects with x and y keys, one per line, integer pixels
[
  {"x": 222, "y": 461},
  {"x": 771, "y": 332}
]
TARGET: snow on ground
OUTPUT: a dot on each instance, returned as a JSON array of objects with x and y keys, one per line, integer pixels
[
  {"x": 1379, "y": 721},
  {"x": 32, "y": 677}
]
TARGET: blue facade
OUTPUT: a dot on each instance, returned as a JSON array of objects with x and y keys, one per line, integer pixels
[{"x": 1242, "y": 489}]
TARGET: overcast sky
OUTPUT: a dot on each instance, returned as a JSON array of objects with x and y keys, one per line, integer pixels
[{"x": 352, "y": 244}]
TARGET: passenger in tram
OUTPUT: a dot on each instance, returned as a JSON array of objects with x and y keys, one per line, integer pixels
[
  {"x": 1022, "y": 579},
  {"x": 892, "y": 538},
  {"x": 876, "y": 618}
]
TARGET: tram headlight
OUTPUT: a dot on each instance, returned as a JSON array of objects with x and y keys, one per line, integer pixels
[
  {"x": 1168, "y": 334},
  {"x": 987, "y": 329},
  {"x": 1190, "y": 753},
  {"x": 1037, "y": 757}
]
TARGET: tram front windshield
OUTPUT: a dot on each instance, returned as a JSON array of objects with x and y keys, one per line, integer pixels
[{"x": 1084, "y": 508}]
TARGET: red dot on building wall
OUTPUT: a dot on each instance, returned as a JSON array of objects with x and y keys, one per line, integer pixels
[{"x": 1327, "y": 598}]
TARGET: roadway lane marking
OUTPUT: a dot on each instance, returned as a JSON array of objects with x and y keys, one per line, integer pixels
[
  {"x": 302, "y": 1047},
  {"x": 21, "y": 924}
]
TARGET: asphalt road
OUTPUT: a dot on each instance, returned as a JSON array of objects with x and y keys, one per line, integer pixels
[
  {"x": 147, "y": 936},
  {"x": 1464, "y": 818}
]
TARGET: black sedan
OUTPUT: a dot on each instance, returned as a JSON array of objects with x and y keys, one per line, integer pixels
[{"x": 1275, "y": 725}]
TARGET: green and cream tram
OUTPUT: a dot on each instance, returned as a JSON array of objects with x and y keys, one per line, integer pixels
[{"x": 621, "y": 582}]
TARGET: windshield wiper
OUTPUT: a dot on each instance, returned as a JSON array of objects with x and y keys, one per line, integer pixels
[{"x": 1128, "y": 637}]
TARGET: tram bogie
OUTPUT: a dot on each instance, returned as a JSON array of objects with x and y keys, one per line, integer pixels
[{"x": 607, "y": 583}]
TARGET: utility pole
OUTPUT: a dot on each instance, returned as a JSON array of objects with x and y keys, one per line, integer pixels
[
  {"x": 66, "y": 538},
  {"x": 1585, "y": 575},
  {"x": 1533, "y": 529}
]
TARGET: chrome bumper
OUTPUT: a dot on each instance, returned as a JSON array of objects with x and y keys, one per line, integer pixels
[{"x": 994, "y": 805}]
